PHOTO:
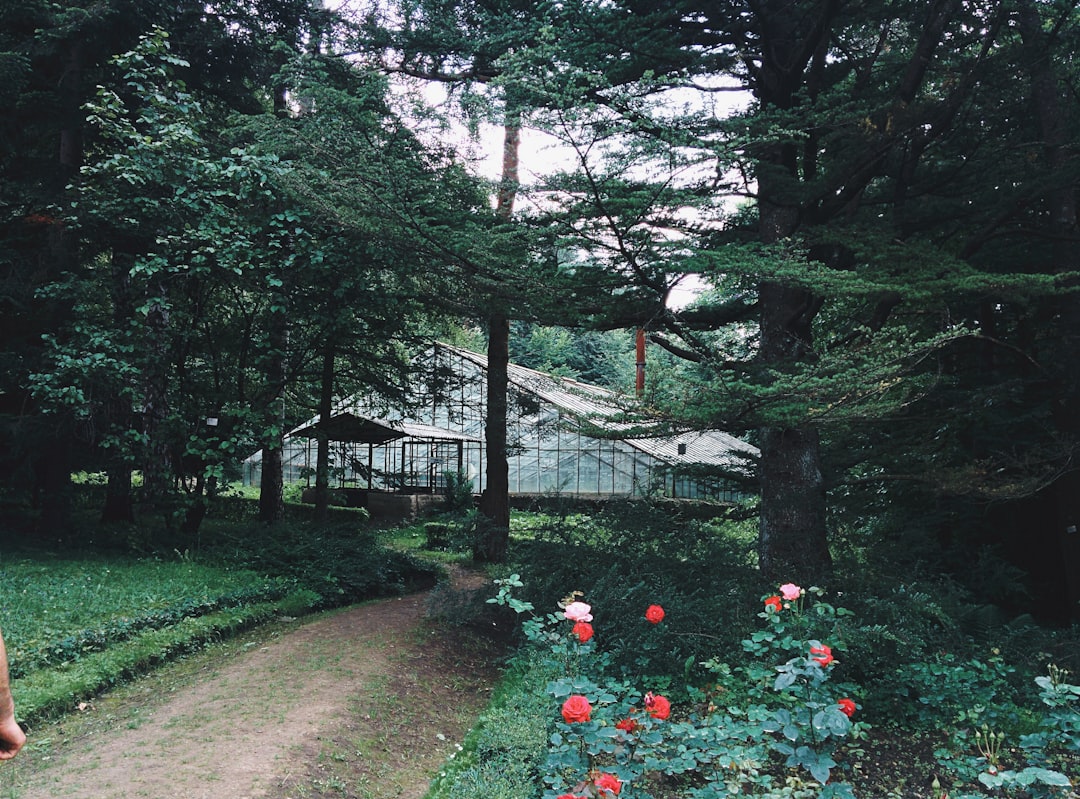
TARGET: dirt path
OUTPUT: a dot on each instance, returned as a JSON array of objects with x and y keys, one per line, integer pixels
[{"x": 368, "y": 702}]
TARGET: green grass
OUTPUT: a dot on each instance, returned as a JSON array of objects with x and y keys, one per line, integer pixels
[
  {"x": 73, "y": 626},
  {"x": 502, "y": 756},
  {"x": 47, "y": 598}
]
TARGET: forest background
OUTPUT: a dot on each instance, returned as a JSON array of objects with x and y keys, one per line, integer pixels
[{"x": 241, "y": 212}]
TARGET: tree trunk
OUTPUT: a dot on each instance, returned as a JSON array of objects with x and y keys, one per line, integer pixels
[
  {"x": 792, "y": 538},
  {"x": 322, "y": 457},
  {"x": 272, "y": 484},
  {"x": 495, "y": 499},
  {"x": 792, "y": 541},
  {"x": 53, "y": 467},
  {"x": 118, "y": 507},
  {"x": 53, "y": 462},
  {"x": 157, "y": 461}
]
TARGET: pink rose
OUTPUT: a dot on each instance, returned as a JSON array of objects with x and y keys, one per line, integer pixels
[
  {"x": 654, "y": 614},
  {"x": 576, "y": 709},
  {"x": 583, "y": 630},
  {"x": 578, "y": 611},
  {"x": 608, "y": 782},
  {"x": 847, "y": 707},
  {"x": 657, "y": 706},
  {"x": 790, "y": 591}
]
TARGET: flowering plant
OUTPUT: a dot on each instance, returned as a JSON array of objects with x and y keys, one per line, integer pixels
[{"x": 609, "y": 736}]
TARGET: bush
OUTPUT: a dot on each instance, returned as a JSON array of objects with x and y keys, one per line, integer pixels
[
  {"x": 707, "y": 598},
  {"x": 341, "y": 563}
]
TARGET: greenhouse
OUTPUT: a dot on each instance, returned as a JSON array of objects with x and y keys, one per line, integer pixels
[{"x": 563, "y": 437}]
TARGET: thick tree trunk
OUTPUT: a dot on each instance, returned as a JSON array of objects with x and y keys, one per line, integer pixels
[
  {"x": 792, "y": 542},
  {"x": 56, "y": 491},
  {"x": 157, "y": 460},
  {"x": 792, "y": 537},
  {"x": 118, "y": 507},
  {"x": 495, "y": 499},
  {"x": 53, "y": 462}
]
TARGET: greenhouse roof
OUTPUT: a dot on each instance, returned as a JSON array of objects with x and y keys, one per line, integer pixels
[
  {"x": 605, "y": 410},
  {"x": 348, "y": 426}
]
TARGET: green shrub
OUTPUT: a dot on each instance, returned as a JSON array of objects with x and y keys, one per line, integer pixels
[
  {"x": 707, "y": 600},
  {"x": 343, "y": 563}
]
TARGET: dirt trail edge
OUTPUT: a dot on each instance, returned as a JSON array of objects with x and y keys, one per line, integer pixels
[{"x": 368, "y": 702}]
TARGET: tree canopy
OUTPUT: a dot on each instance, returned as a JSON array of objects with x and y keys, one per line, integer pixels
[{"x": 234, "y": 211}]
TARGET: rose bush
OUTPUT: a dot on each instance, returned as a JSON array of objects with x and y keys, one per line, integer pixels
[{"x": 777, "y": 725}]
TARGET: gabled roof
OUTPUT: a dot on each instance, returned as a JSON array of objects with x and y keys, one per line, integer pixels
[
  {"x": 349, "y": 426},
  {"x": 604, "y": 410}
]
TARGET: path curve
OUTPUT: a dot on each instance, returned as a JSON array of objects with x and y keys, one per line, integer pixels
[{"x": 281, "y": 718}]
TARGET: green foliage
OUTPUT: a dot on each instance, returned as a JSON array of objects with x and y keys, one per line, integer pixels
[
  {"x": 73, "y": 627},
  {"x": 634, "y": 554},
  {"x": 502, "y": 756},
  {"x": 459, "y": 492},
  {"x": 1039, "y": 766},
  {"x": 341, "y": 562},
  {"x": 57, "y": 608},
  {"x": 770, "y": 721}
]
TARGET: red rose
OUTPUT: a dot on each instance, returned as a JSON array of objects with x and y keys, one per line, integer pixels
[
  {"x": 576, "y": 708},
  {"x": 583, "y": 630},
  {"x": 628, "y": 725},
  {"x": 654, "y": 614},
  {"x": 822, "y": 654},
  {"x": 847, "y": 707},
  {"x": 608, "y": 782},
  {"x": 657, "y": 706},
  {"x": 775, "y": 603}
]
